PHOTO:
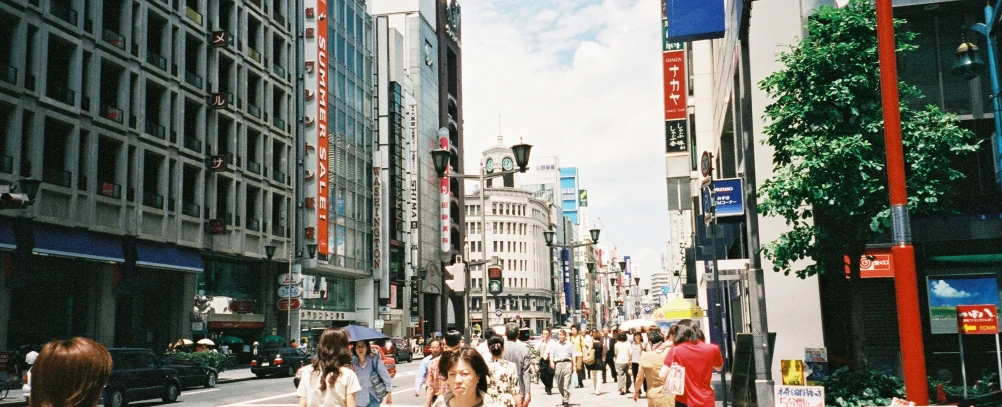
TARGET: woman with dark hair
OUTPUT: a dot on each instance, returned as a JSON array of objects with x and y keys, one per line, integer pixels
[
  {"x": 466, "y": 375},
  {"x": 623, "y": 354},
  {"x": 503, "y": 390},
  {"x": 699, "y": 359},
  {"x": 637, "y": 347},
  {"x": 329, "y": 381},
  {"x": 69, "y": 373},
  {"x": 375, "y": 378},
  {"x": 650, "y": 366}
]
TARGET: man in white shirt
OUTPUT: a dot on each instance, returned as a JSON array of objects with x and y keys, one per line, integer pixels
[{"x": 561, "y": 355}]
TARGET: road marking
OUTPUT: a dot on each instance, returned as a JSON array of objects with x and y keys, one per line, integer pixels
[
  {"x": 403, "y": 391},
  {"x": 246, "y": 403},
  {"x": 188, "y": 393}
]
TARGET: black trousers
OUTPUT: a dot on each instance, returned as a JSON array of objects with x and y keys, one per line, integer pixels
[
  {"x": 611, "y": 364},
  {"x": 546, "y": 375},
  {"x": 636, "y": 368}
]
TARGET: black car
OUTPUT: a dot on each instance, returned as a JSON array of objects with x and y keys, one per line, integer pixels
[
  {"x": 192, "y": 372},
  {"x": 402, "y": 350},
  {"x": 137, "y": 374},
  {"x": 281, "y": 361}
]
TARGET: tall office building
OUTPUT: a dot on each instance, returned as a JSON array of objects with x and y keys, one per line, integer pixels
[
  {"x": 423, "y": 59},
  {"x": 163, "y": 134}
]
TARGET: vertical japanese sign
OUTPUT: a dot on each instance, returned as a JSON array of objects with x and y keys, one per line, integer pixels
[
  {"x": 565, "y": 267},
  {"x": 673, "y": 66},
  {"x": 445, "y": 200}
]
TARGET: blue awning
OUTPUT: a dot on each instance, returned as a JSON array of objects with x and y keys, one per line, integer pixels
[
  {"x": 7, "y": 240},
  {"x": 70, "y": 242},
  {"x": 165, "y": 256}
]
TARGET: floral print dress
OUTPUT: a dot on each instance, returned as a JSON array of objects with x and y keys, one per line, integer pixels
[{"x": 502, "y": 386}]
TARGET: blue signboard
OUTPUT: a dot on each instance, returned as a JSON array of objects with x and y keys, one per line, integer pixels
[
  {"x": 629, "y": 266},
  {"x": 730, "y": 197},
  {"x": 694, "y": 20}
]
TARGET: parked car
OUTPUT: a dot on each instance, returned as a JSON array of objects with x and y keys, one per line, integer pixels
[
  {"x": 137, "y": 374},
  {"x": 281, "y": 361},
  {"x": 402, "y": 350},
  {"x": 192, "y": 372},
  {"x": 391, "y": 365}
]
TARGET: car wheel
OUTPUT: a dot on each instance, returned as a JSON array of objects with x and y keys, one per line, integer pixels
[
  {"x": 172, "y": 393},
  {"x": 115, "y": 399},
  {"x": 290, "y": 371},
  {"x": 210, "y": 380},
  {"x": 410, "y": 358}
]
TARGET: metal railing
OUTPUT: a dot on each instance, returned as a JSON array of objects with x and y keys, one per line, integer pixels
[
  {"x": 10, "y": 75},
  {"x": 109, "y": 189},
  {"x": 64, "y": 12},
  {"x": 278, "y": 70},
  {"x": 254, "y": 224},
  {"x": 277, "y": 122},
  {"x": 113, "y": 38},
  {"x": 156, "y": 59},
  {"x": 153, "y": 200},
  {"x": 61, "y": 94},
  {"x": 191, "y": 209},
  {"x": 193, "y": 79},
  {"x": 278, "y": 176},
  {"x": 111, "y": 113},
  {"x": 155, "y": 130},
  {"x": 254, "y": 110},
  {"x": 193, "y": 15}
]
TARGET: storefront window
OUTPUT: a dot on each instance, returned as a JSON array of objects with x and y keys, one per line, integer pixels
[{"x": 330, "y": 294}]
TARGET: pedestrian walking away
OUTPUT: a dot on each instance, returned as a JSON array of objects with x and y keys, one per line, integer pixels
[
  {"x": 649, "y": 373},
  {"x": 519, "y": 355},
  {"x": 329, "y": 381},
  {"x": 502, "y": 385},
  {"x": 562, "y": 363},
  {"x": 699, "y": 359},
  {"x": 545, "y": 371},
  {"x": 70, "y": 373},
  {"x": 598, "y": 359},
  {"x": 623, "y": 354}
]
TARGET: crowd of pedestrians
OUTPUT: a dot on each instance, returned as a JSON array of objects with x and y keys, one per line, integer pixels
[{"x": 497, "y": 373}]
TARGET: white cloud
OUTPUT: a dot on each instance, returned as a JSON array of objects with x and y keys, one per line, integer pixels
[
  {"x": 583, "y": 82},
  {"x": 943, "y": 289}
]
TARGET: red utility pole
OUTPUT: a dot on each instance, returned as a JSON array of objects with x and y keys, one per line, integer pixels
[{"x": 905, "y": 284}]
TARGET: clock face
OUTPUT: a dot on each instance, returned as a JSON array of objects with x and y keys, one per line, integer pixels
[
  {"x": 507, "y": 164},
  {"x": 490, "y": 165}
]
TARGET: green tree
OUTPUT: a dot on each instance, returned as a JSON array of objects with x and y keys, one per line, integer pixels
[{"x": 829, "y": 181}]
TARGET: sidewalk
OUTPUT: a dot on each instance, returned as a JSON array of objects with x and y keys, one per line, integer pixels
[{"x": 608, "y": 395}]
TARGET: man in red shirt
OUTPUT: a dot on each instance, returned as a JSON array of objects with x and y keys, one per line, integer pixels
[{"x": 700, "y": 359}]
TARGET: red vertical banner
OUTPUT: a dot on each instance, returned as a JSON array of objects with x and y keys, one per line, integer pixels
[
  {"x": 444, "y": 202},
  {"x": 673, "y": 63},
  {"x": 322, "y": 169}
]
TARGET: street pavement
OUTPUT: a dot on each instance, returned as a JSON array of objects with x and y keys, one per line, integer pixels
[{"x": 240, "y": 388}]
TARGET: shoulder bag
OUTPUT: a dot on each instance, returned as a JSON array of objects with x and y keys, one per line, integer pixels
[
  {"x": 377, "y": 382},
  {"x": 589, "y": 354},
  {"x": 675, "y": 382}
]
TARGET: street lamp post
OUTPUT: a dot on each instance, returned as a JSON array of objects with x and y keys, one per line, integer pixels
[
  {"x": 441, "y": 158},
  {"x": 594, "y": 233},
  {"x": 269, "y": 251}
]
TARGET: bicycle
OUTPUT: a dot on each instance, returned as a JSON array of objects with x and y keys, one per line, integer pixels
[{"x": 4, "y": 389}]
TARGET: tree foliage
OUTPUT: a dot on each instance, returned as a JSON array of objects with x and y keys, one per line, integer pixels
[{"x": 826, "y": 126}]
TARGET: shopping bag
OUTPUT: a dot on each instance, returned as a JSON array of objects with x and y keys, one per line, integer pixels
[{"x": 675, "y": 382}]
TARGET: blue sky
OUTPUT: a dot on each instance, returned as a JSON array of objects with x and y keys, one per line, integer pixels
[
  {"x": 953, "y": 291},
  {"x": 580, "y": 80}
]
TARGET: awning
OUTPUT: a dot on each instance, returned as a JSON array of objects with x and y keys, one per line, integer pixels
[
  {"x": 7, "y": 236},
  {"x": 78, "y": 243},
  {"x": 165, "y": 256}
]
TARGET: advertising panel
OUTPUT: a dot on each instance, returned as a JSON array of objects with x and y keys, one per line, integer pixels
[
  {"x": 444, "y": 201},
  {"x": 730, "y": 197},
  {"x": 946, "y": 293},
  {"x": 565, "y": 266},
  {"x": 321, "y": 104}
]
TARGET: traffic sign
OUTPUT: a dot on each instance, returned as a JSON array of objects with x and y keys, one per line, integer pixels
[
  {"x": 290, "y": 279},
  {"x": 290, "y": 291},
  {"x": 706, "y": 164},
  {"x": 707, "y": 199},
  {"x": 498, "y": 312},
  {"x": 648, "y": 308},
  {"x": 283, "y": 304},
  {"x": 977, "y": 319}
]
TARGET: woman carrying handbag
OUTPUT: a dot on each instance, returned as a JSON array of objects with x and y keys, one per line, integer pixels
[
  {"x": 329, "y": 381},
  {"x": 650, "y": 368},
  {"x": 694, "y": 359},
  {"x": 375, "y": 379}
]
